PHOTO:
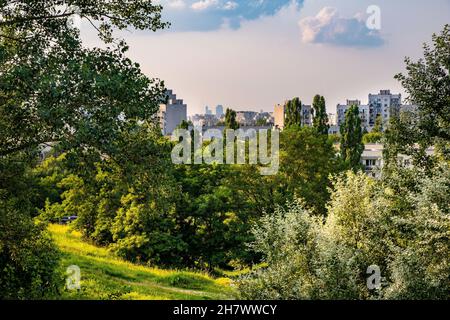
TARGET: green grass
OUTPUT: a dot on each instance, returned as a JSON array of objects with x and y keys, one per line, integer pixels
[{"x": 104, "y": 276}]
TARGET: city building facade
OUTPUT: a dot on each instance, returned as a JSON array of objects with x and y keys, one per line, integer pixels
[
  {"x": 372, "y": 159},
  {"x": 172, "y": 113},
  {"x": 246, "y": 118},
  {"x": 383, "y": 105}
]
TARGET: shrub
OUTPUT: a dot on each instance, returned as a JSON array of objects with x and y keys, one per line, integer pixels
[{"x": 28, "y": 257}]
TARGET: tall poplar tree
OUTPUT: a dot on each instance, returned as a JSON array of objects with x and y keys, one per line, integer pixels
[
  {"x": 320, "y": 115},
  {"x": 293, "y": 112},
  {"x": 351, "y": 139},
  {"x": 230, "y": 119}
]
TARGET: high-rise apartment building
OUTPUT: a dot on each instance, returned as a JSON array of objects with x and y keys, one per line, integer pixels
[
  {"x": 341, "y": 110},
  {"x": 172, "y": 113},
  {"x": 383, "y": 104}
]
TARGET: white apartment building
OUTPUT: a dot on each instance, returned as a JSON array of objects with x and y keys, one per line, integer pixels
[
  {"x": 372, "y": 159},
  {"x": 383, "y": 104},
  {"x": 364, "y": 113},
  {"x": 172, "y": 113}
]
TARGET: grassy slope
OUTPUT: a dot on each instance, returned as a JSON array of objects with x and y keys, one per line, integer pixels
[{"x": 104, "y": 276}]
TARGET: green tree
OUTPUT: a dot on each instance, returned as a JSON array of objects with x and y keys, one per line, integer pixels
[
  {"x": 212, "y": 217},
  {"x": 376, "y": 135},
  {"x": 306, "y": 162},
  {"x": 320, "y": 115},
  {"x": 184, "y": 125},
  {"x": 288, "y": 240},
  {"x": 28, "y": 257},
  {"x": 351, "y": 139},
  {"x": 420, "y": 267},
  {"x": 293, "y": 112},
  {"x": 128, "y": 201},
  {"x": 399, "y": 223},
  {"x": 427, "y": 83},
  {"x": 55, "y": 90},
  {"x": 230, "y": 119},
  {"x": 378, "y": 127},
  {"x": 372, "y": 137}
]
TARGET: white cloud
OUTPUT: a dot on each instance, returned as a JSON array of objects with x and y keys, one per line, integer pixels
[
  {"x": 177, "y": 4},
  {"x": 230, "y": 5},
  {"x": 204, "y": 4},
  {"x": 329, "y": 27}
]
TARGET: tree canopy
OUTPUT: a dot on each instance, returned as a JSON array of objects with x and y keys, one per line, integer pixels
[
  {"x": 351, "y": 138},
  {"x": 293, "y": 112},
  {"x": 427, "y": 83},
  {"x": 320, "y": 115}
]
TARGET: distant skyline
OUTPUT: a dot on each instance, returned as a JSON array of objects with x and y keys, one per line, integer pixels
[{"x": 253, "y": 54}]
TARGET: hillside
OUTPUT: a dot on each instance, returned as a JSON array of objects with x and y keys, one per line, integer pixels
[{"x": 104, "y": 276}]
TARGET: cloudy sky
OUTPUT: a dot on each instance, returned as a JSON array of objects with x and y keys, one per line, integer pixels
[{"x": 252, "y": 54}]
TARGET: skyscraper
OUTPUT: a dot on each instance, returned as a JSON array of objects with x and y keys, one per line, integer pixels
[{"x": 219, "y": 111}]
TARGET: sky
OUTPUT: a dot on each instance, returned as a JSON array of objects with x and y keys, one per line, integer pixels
[{"x": 253, "y": 54}]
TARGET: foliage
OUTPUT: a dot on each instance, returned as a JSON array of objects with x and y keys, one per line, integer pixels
[
  {"x": 320, "y": 115},
  {"x": 212, "y": 216},
  {"x": 376, "y": 135},
  {"x": 372, "y": 137},
  {"x": 427, "y": 83},
  {"x": 230, "y": 119},
  {"x": 293, "y": 112},
  {"x": 420, "y": 267},
  {"x": 378, "y": 127},
  {"x": 184, "y": 125},
  {"x": 351, "y": 139},
  {"x": 369, "y": 223},
  {"x": 288, "y": 240},
  {"x": 54, "y": 91},
  {"x": 27, "y": 255},
  {"x": 126, "y": 202},
  {"x": 307, "y": 160}
]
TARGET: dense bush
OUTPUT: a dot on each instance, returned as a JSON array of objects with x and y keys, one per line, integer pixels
[
  {"x": 369, "y": 223},
  {"x": 289, "y": 241},
  {"x": 28, "y": 257}
]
